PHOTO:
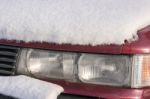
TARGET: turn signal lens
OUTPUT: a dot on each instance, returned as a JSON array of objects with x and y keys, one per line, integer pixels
[{"x": 141, "y": 71}]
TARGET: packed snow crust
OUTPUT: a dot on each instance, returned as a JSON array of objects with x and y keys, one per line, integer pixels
[
  {"x": 23, "y": 87},
  {"x": 82, "y": 22}
]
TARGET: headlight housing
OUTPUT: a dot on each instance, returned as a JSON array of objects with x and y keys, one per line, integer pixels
[
  {"x": 48, "y": 64},
  {"x": 117, "y": 70},
  {"x": 105, "y": 69}
]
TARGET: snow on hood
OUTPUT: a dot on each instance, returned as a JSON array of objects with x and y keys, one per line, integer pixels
[
  {"x": 82, "y": 22},
  {"x": 23, "y": 87}
]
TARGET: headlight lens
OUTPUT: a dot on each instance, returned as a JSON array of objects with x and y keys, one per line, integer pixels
[
  {"x": 105, "y": 69},
  {"x": 50, "y": 64},
  {"x": 116, "y": 70}
]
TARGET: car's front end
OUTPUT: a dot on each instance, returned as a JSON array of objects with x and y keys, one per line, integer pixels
[{"x": 85, "y": 72}]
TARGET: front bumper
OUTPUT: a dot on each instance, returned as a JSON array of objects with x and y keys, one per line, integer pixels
[{"x": 103, "y": 92}]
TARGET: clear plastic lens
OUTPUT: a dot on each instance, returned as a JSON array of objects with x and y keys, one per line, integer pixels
[
  {"x": 105, "y": 69},
  {"x": 88, "y": 68},
  {"x": 51, "y": 64},
  {"x": 141, "y": 71}
]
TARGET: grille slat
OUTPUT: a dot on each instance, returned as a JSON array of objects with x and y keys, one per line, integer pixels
[
  {"x": 7, "y": 53},
  {"x": 9, "y": 47},
  {"x": 8, "y": 58},
  {"x": 6, "y": 66},
  {"x": 6, "y": 72}
]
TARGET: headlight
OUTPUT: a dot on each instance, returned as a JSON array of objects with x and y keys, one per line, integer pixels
[
  {"x": 49, "y": 64},
  {"x": 105, "y": 69},
  {"x": 117, "y": 70}
]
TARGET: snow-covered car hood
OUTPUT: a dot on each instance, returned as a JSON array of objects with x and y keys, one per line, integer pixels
[{"x": 81, "y": 22}]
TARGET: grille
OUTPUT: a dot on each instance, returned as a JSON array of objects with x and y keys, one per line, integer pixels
[{"x": 8, "y": 58}]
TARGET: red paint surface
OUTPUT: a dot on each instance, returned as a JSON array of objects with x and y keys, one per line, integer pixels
[
  {"x": 141, "y": 46},
  {"x": 109, "y": 49},
  {"x": 100, "y": 91}
]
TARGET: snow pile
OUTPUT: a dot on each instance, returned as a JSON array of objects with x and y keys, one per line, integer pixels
[
  {"x": 73, "y": 21},
  {"x": 23, "y": 87}
]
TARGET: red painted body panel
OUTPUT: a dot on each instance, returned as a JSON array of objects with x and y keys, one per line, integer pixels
[
  {"x": 106, "y": 92},
  {"x": 109, "y": 49},
  {"x": 141, "y": 46}
]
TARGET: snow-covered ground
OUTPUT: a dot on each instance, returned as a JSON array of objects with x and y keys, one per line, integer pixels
[{"x": 73, "y": 21}]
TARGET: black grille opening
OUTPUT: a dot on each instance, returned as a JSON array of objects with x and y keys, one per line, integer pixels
[
  {"x": 8, "y": 59},
  {"x": 70, "y": 96}
]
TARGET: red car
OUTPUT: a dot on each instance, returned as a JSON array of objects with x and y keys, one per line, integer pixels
[{"x": 85, "y": 72}]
